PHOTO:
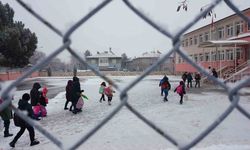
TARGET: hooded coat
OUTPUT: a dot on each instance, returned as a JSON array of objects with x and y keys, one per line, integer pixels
[
  {"x": 35, "y": 94},
  {"x": 76, "y": 90},
  {"x": 69, "y": 90},
  {"x": 24, "y": 106}
]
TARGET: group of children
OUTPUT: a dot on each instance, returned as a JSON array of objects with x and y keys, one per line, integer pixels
[
  {"x": 108, "y": 91},
  {"x": 39, "y": 100},
  {"x": 166, "y": 86},
  {"x": 189, "y": 78},
  {"x": 75, "y": 95},
  {"x": 34, "y": 110}
]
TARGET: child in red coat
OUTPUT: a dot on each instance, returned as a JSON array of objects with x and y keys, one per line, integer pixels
[
  {"x": 109, "y": 92},
  {"x": 180, "y": 89}
]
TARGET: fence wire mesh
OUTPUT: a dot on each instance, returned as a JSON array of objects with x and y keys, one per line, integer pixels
[{"x": 232, "y": 92}]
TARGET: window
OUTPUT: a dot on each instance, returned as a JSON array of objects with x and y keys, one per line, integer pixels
[
  {"x": 195, "y": 58},
  {"x": 221, "y": 33},
  {"x": 191, "y": 41},
  {"x": 191, "y": 57},
  {"x": 222, "y": 55},
  {"x": 239, "y": 53},
  {"x": 93, "y": 61},
  {"x": 214, "y": 35},
  {"x": 195, "y": 40},
  {"x": 200, "y": 38},
  {"x": 248, "y": 24},
  {"x": 186, "y": 42},
  {"x": 179, "y": 59},
  {"x": 201, "y": 57},
  {"x": 113, "y": 61},
  {"x": 206, "y": 36},
  {"x": 238, "y": 27},
  {"x": 207, "y": 57},
  {"x": 103, "y": 62},
  {"x": 213, "y": 56},
  {"x": 183, "y": 43},
  {"x": 229, "y": 29},
  {"x": 229, "y": 55}
]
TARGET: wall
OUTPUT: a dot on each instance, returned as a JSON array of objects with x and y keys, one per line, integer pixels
[{"x": 13, "y": 75}]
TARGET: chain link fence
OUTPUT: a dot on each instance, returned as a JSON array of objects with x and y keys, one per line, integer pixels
[{"x": 232, "y": 92}]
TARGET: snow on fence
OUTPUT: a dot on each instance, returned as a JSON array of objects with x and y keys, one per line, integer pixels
[{"x": 232, "y": 90}]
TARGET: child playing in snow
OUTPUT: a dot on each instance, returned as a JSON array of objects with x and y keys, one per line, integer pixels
[
  {"x": 101, "y": 91},
  {"x": 69, "y": 89},
  {"x": 80, "y": 102},
  {"x": 180, "y": 89},
  {"x": 109, "y": 92},
  {"x": 165, "y": 86}
]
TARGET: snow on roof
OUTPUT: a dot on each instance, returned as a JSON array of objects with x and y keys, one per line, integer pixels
[
  {"x": 151, "y": 54},
  {"x": 106, "y": 54},
  {"x": 223, "y": 43}
]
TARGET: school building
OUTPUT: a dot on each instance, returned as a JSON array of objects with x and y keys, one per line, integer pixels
[
  {"x": 223, "y": 45},
  {"x": 105, "y": 61},
  {"x": 147, "y": 59}
]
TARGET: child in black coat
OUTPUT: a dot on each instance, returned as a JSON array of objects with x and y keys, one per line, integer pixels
[{"x": 24, "y": 106}]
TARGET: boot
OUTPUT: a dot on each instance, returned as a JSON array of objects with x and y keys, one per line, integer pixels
[
  {"x": 7, "y": 134},
  {"x": 35, "y": 142},
  {"x": 181, "y": 101},
  {"x": 12, "y": 144}
]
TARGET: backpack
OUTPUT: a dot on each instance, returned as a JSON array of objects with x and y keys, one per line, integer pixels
[
  {"x": 80, "y": 103},
  {"x": 179, "y": 89},
  {"x": 164, "y": 85},
  {"x": 18, "y": 121},
  {"x": 101, "y": 89},
  {"x": 108, "y": 91}
]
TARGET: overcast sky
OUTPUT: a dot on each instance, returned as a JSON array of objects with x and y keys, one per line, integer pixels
[{"x": 115, "y": 26}]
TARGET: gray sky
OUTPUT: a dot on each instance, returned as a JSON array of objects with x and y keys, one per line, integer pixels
[{"x": 115, "y": 26}]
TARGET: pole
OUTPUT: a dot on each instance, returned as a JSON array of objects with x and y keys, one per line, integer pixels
[
  {"x": 220, "y": 62},
  {"x": 235, "y": 57}
]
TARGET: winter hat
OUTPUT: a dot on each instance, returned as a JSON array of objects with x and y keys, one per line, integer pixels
[{"x": 26, "y": 96}]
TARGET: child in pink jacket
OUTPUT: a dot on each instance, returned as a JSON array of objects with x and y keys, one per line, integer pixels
[
  {"x": 180, "y": 89},
  {"x": 109, "y": 93}
]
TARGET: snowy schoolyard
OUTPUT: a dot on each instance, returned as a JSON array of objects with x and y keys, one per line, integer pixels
[{"x": 127, "y": 132}]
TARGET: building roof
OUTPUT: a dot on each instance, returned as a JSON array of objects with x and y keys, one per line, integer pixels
[
  {"x": 216, "y": 22},
  {"x": 151, "y": 54},
  {"x": 223, "y": 43},
  {"x": 105, "y": 54}
]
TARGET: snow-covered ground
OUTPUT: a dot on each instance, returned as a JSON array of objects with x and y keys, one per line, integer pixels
[{"x": 127, "y": 132}]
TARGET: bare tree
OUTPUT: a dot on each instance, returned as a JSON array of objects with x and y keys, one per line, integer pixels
[
  {"x": 37, "y": 57},
  {"x": 124, "y": 61},
  {"x": 211, "y": 13},
  {"x": 57, "y": 65}
]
